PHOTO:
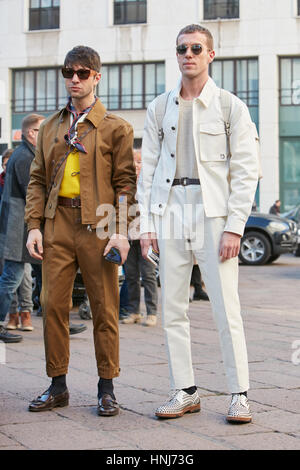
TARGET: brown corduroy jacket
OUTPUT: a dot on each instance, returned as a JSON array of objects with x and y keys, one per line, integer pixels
[{"x": 107, "y": 173}]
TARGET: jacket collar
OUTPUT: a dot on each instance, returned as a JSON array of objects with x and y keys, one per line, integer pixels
[
  {"x": 206, "y": 94},
  {"x": 28, "y": 144},
  {"x": 97, "y": 113},
  {"x": 95, "y": 116}
]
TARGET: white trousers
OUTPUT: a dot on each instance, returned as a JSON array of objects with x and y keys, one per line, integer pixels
[{"x": 193, "y": 233}]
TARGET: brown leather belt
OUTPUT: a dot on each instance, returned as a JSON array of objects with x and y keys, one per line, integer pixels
[
  {"x": 185, "y": 181},
  {"x": 69, "y": 202}
]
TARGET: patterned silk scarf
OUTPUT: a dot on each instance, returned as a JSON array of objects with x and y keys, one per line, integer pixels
[{"x": 72, "y": 138}]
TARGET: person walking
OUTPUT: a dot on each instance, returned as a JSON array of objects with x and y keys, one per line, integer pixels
[
  {"x": 83, "y": 169},
  {"x": 21, "y": 307},
  {"x": 13, "y": 231},
  {"x": 195, "y": 195}
]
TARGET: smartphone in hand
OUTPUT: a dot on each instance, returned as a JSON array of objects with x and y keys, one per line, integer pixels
[
  {"x": 113, "y": 256},
  {"x": 153, "y": 256}
]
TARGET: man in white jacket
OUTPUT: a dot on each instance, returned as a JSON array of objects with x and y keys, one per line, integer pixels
[{"x": 195, "y": 192}]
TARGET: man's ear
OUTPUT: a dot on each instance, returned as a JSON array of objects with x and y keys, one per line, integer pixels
[{"x": 211, "y": 56}]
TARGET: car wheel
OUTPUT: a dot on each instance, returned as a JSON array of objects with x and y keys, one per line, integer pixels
[{"x": 255, "y": 249}]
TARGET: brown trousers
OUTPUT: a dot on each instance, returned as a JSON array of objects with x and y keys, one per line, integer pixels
[{"x": 68, "y": 245}]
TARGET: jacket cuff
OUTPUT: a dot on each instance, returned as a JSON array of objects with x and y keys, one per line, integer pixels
[
  {"x": 235, "y": 226},
  {"x": 33, "y": 224},
  {"x": 147, "y": 224}
]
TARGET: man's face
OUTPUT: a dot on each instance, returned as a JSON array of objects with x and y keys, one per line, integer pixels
[
  {"x": 190, "y": 64},
  {"x": 137, "y": 162},
  {"x": 32, "y": 133},
  {"x": 4, "y": 163},
  {"x": 79, "y": 88}
]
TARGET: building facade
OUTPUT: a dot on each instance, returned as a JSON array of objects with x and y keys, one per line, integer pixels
[{"x": 257, "y": 48}]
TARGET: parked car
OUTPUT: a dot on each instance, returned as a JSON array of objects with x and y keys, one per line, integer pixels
[
  {"x": 266, "y": 237},
  {"x": 294, "y": 214}
]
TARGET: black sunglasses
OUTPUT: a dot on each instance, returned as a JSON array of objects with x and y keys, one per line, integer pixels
[
  {"x": 195, "y": 48},
  {"x": 82, "y": 74}
]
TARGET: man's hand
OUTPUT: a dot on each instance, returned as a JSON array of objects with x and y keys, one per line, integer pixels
[
  {"x": 35, "y": 244},
  {"x": 121, "y": 243},
  {"x": 148, "y": 239},
  {"x": 229, "y": 246}
]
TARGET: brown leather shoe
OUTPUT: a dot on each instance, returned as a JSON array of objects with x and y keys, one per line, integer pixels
[
  {"x": 26, "y": 324},
  {"x": 46, "y": 401},
  {"x": 107, "y": 406},
  {"x": 13, "y": 322}
]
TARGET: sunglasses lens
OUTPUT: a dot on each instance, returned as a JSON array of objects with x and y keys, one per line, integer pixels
[
  {"x": 67, "y": 73},
  {"x": 196, "y": 49},
  {"x": 181, "y": 49},
  {"x": 83, "y": 74}
]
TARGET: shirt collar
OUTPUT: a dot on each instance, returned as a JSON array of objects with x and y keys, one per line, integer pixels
[{"x": 206, "y": 94}]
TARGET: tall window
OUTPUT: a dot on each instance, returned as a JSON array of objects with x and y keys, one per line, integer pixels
[
  {"x": 290, "y": 81},
  {"x": 131, "y": 86},
  {"x": 38, "y": 90},
  {"x": 130, "y": 11},
  {"x": 214, "y": 9},
  {"x": 240, "y": 77},
  {"x": 43, "y": 14}
]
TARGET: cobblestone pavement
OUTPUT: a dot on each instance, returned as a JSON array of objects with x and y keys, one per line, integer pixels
[{"x": 270, "y": 305}]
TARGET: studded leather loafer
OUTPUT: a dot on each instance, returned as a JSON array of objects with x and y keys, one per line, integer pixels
[
  {"x": 47, "y": 401},
  {"x": 178, "y": 404},
  {"x": 107, "y": 406},
  {"x": 239, "y": 409}
]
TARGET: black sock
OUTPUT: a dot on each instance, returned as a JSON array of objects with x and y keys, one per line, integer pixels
[
  {"x": 58, "y": 384},
  {"x": 243, "y": 393},
  {"x": 106, "y": 386},
  {"x": 190, "y": 390}
]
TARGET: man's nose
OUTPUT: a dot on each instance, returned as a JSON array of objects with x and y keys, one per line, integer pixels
[
  {"x": 188, "y": 52},
  {"x": 75, "y": 78}
]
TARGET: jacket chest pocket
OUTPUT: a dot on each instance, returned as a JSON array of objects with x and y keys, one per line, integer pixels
[{"x": 213, "y": 145}]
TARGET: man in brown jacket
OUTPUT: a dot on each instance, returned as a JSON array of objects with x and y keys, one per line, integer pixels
[{"x": 82, "y": 183}]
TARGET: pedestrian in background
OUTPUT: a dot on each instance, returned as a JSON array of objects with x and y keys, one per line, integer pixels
[
  {"x": 191, "y": 178},
  {"x": 5, "y": 158},
  {"x": 13, "y": 231},
  {"x": 137, "y": 270},
  {"x": 275, "y": 209}
]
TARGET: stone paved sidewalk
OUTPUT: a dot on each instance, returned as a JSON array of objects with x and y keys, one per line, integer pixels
[{"x": 270, "y": 305}]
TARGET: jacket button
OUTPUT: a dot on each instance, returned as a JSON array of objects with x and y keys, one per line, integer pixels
[
  {"x": 168, "y": 181},
  {"x": 173, "y": 128},
  {"x": 50, "y": 205},
  {"x": 222, "y": 156},
  {"x": 160, "y": 206},
  {"x": 172, "y": 155}
]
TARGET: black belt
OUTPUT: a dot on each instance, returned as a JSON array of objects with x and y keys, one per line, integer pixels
[
  {"x": 69, "y": 202},
  {"x": 185, "y": 181}
]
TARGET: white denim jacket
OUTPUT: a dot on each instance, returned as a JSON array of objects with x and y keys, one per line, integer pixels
[{"x": 228, "y": 183}]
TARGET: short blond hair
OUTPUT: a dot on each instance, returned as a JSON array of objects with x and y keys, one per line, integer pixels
[
  {"x": 197, "y": 28},
  {"x": 30, "y": 121}
]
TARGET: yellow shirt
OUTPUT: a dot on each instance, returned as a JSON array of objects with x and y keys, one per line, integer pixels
[{"x": 70, "y": 185}]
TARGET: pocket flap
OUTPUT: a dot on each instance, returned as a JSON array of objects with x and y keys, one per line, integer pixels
[{"x": 212, "y": 128}]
